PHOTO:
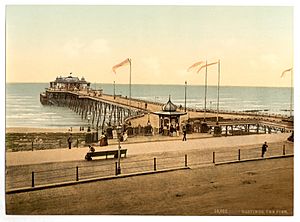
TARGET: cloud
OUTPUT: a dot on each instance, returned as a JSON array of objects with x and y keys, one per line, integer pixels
[
  {"x": 270, "y": 59},
  {"x": 73, "y": 47},
  {"x": 182, "y": 73},
  {"x": 152, "y": 65},
  {"x": 98, "y": 46},
  {"x": 77, "y": 47}
]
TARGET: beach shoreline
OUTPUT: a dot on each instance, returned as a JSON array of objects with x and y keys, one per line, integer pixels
[{"x": 41, "y": 129}]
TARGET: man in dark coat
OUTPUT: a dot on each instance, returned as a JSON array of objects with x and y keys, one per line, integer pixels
[
  {"x": 184, "y": 133},
  {"x": 264, "y": 149},
  {"x": 70, "y": 141}
]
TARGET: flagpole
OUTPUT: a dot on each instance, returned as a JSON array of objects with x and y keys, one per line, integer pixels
[
  {"x": 218, "y": 91},
  {"x": 205, "y": 92},
  {"x": 129, "y": 82},
  {"x": 291, "y": 102}
]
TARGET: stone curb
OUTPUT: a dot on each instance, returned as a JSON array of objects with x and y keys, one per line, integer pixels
[{"x": 254, "y": 159}]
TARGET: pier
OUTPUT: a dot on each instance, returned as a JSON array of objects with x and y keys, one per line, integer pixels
[
  {"x": 148, "y": 118},
  {"x": 102, "y": 109},
  {"x": 93, "y": 106}
]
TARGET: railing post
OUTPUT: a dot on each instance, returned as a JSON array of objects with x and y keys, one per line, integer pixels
[
  {"x": 116, "y": 166},
  {"x": 154, "y": 164},
  {"x": 283, "y": 150},
  {"x": 214, "y": 157},
  {"x": 239, "y": 155},
  {"x": 32, "y": 179},
  {"x": 77, "y": 143},
  {"x": 185, "y": 160},
  {"x": 77, "y": 173},
  {"x": 32, "y": 146}
]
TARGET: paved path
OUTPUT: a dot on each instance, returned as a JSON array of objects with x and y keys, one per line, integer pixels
[{"x": 60, "y": 155}]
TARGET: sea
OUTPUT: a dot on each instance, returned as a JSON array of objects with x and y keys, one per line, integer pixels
[{"x": 23, "y": 107}]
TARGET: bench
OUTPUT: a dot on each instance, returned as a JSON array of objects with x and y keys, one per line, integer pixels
[{"x": 107, "y": 153}]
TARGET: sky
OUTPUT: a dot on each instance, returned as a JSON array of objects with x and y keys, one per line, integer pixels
[{"x": 254, "y": 43}]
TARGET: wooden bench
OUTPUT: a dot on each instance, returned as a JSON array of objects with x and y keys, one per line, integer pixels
[{"x": 107, "y": 154}]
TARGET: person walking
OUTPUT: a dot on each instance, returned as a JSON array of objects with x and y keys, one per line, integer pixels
[
  {"x": 264, "y": 149},
  {"x": 184, "y": 133},
  {"x": 70, "y": 139}
]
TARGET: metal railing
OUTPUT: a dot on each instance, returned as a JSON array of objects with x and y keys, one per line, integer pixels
[{"x": 108, "y": 168}]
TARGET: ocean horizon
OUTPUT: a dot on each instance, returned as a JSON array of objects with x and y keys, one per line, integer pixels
[
  {"x": 23, "y": 108},
  {"x": 158, "y": 84}
]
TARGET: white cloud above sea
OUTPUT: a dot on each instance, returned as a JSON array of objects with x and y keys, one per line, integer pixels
[
  {"x": 98, "y": 46},
  {"x": 72, "y": 47},
  {"x": 152, "y": 65},
  {"x": 270, "y": 59},
  {"x": 181, "y": 72},
  {"x": 77, "y": 47}
]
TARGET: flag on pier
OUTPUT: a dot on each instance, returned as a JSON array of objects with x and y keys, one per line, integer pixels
[
  {"x": 285, "y": 71},
  {"x": 194, "y": 65},
  {"x": 125, "y": 62},
  {"x": 206, "y": 65}
]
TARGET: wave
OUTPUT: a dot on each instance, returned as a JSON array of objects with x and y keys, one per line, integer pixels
[
  {"x": 23, "y": 100},
  {"x": 10, "y": 96},
  {"x": 50, "y": 113},
  {"x": 21, "y": 106}
]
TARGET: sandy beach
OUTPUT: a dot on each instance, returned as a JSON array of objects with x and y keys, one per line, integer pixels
[{"x": 40, "y": 130}]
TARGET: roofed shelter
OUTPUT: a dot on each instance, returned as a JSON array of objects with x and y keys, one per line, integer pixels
[{"x": 169, "y": 118}]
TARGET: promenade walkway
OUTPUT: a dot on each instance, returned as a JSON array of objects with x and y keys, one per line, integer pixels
[{"x": 137, "y": 148}]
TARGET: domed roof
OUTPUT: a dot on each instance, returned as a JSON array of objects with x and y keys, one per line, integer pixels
[{"x": 169, "y": 106}]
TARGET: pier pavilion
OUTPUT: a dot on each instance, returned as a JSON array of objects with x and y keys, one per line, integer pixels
[
  {"x": 169, "y": 118},
  {"x": 70, "y": 83}
]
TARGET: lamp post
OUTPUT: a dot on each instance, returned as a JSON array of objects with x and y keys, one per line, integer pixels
[
  {"x": 205, "y": 92},
  {"x": 148, "y": 123},
  {"x": 218, "y": 98},
  {"x": 185, "y": 96},
  {"x": 119, "y": 131},
  {"x": 114, "y": 90}
]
